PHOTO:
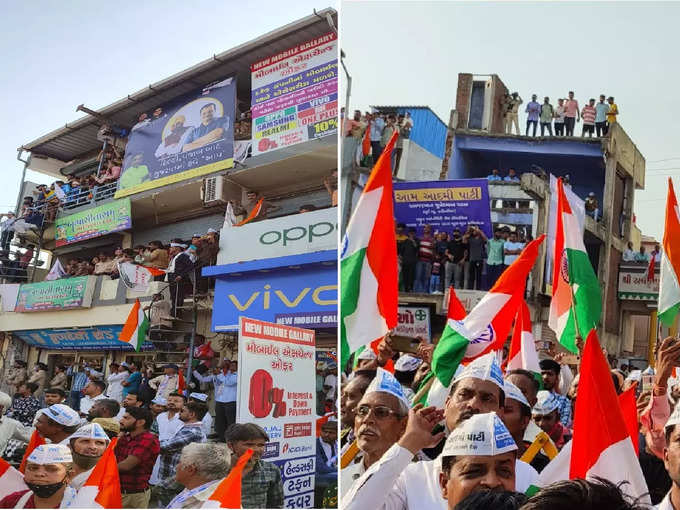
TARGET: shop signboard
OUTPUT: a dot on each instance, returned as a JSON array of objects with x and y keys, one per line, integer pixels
[
  {"x": 277, "y": 367},
  {"x": 63, "y": 294},
  {"x": 413, "y": 321},
  {"x": 186, "y": 138},
  {"x": 295, "y": 95},
  {"x": 289, "y": 235},
  {"x": 635, "y": 284},
  {"x": 313, "y": 320},
  {"x": 284, "y": 290},
  {"x": 444, "y": 205},
  {"x": 104, "y": 338},
  {"x": 94, "y": 222}
]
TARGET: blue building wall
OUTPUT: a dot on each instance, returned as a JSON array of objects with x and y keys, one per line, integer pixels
[{"x": 428, "y": 131}]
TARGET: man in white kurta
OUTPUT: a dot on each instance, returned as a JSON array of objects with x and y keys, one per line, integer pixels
[
  {"x": 479, "y": 388},
  {"x": 168, "y": 425}
]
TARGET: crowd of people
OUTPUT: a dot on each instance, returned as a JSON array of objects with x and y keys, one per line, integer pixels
[
  {"x": 398, "y": 454},
  {"x": 167, "y": 453},
  {"x": 597, "y": 116},
  {"x": 435, "y": 261}
]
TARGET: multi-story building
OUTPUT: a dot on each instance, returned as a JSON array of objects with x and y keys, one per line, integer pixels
[{"x": 177, "y": 186}]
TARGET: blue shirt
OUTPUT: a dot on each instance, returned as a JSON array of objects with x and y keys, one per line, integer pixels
[
  {"x": 199, "y": 131},
  {"x": 507, "y": 178},
  {"x": 225, "y": 385},
  {"x": 79, "y": 379},
  {"x": 601, "y": 110},
  {"x": 534, "y": 110},
  {"x": 493, "y": 177},
  {"x": 377, "y": 126},
  {"x": 133, "y": 383}
]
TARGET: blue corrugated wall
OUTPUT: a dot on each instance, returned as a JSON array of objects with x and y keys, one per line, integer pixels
[{"x": 428, "y": 131}]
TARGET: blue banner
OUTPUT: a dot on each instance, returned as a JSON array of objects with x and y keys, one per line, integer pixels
[
  {"x": 186, "y": 138},
  {"x": 103, "y": 338},
  {"x": 264, "y": 295},
  {"x": 444, "y": 205}
]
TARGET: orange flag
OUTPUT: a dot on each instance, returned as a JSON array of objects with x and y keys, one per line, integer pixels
[
  {"x": 456, "y": 310},
  {"x": 102, "y": 488},
  {"x": 627, "y": 402},
  {"x": 253, "y": 214},
  {"x": 36, "y": 440},
  {"x": 228, "y": 492},
  {"x": 181, "y": 383},
  {"x": 366, "y": 144}
]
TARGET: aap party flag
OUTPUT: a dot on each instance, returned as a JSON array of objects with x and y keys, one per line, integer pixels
[
  {"x": 228, "y": 493},
  {"x": 609, "y": 453},
  {"x": 229, "y": 216},
  {"x": 368, "y": 265},
  {"x": 56, "y": 272},
  {"x": 576, "y": 302},
  {"x": 669, "y": 288},
  {"x": 135, "y": 328},
  {"x": 11, "y": 480},
  {"x": 136, "y": 277},
  {"x": 485, "y": 328},
  {"x": 102, "y": 488}
]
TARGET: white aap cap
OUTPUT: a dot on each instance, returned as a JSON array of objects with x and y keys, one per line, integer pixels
[
  {"x": 386, "y": 383},
  {"x": 62, "y": 414},
  {"x": 212, "y": 231},
  {"x": 90, "y": 431},
  {"x": 674, "y": 419},
  {"x": 546, "y": 403},
  {"x": 635, "y": 375},
  {"x": 485, "y": 368},
  {"x": 160, "y": 401},
  {"x": 407, "y": 363},
  {"x": 199, "y": 396},
  {"x": 481, "y": 434},
  {"x": 367, "y": 354},
  {"x": 50, "y": 454},
  {"x": 514, "y": 393}
]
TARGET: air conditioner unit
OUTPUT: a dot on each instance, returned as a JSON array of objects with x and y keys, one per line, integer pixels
[{"x": 214, "y": 191}]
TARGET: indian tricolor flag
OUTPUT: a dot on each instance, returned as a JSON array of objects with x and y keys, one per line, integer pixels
[
  {"x": 368, "y": 265},
  {"x": 135, "y": 328},
  {"x": 669, "y": 289},
  {"x": 576, "y": 302},
  {"x": 608, "y": 453},
  {"x": 11, "y": 480},
  {"x": 522, "y": 353},
  {"x": 484, "y": 329},
  {"x": 228, "y": 493},
  {"x": 102, "y": 488}
]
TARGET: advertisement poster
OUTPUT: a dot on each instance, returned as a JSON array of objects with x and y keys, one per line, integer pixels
[
  {"x": 92, "y": 339},
  {"x": 61, "y": 294},
  {"x": 186, "y": 138},
  {"x": 444, "y": 205},
  {"x": 413, "y": 321},
  {"x": 94, "y": 222},
  {"x": 295, "y": 95},
  {"x": 277, "y": 370}
]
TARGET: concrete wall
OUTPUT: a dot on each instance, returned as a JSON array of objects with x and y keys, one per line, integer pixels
[
  {"x": 417, "y": 164},
  {"x": 463, "y": 92},
  {"x": 497, "y": 121}
]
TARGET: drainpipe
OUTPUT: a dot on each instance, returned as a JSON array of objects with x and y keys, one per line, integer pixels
[{"x": 23, "y": 180}]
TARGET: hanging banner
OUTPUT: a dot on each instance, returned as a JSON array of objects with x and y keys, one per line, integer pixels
[
  {"x": 277, "y": 370},
  {"x": 61, "y": 294},
  {"x": 295, "y": 95},
  {"x": 183, "y": 139},
  {"x": 444, "y": 205},
  {"x": 95, "y": 222},
  {"x": 79, "y": 339}
]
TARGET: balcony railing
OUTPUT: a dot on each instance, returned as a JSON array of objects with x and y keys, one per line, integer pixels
[{"x": 82, "y": 197}]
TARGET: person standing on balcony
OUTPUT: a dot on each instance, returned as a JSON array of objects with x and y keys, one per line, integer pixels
[
  {"x": 511, "y": 177},
  {"x": 157, "y": 256},
  {"x": 408, "y": 252},
  {"x": 178, "y": 271},
  {"x": 105, "y": 265},
  {"x": 252, "y": 199},
  {"x": 533, "y": 111},
  {"x": 612, "y": 113},
  {"x": 376, "y": 125},
  {"x": 512, "y": 248},
  {"x": 641, "y": 256},
  {"x": 591, "y": 205},
  {"x": 571, "y": 114},
  {"x": 547, "y": 114},
  {"x": 494, "y": 260},
  {"x": 6, "y": 230},
  {"x": 512, "y": 115},
  {"x": 456, "y": 256},
  {"x": 476, "y": 241},
  {"x": 629, "y": 253},
  {"x": 424, "y": 263},
  {"x": 601, "y": 111},
  {"x": 656, "y": 253},
  {"x": 589, "y": 113}
]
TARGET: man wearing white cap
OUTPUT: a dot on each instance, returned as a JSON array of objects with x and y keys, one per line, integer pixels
[
  {"x": 367, "y": 360},
  {"x": 87, "y": 444},
  {"x": 47, "y": 477},
  {"x": 671, "y": 460},
  {"x": 207, "y": 421},
  {"x": 380, "y": 421},
  {"x": 167, "y": 425},
  {"x": 478, "y": 455},
  {"x": 478, "y": 389},
  {"x": 158, "y": 405},
  {"x": 546, "y": 414},
  {"x": 57, "y": 423},
  {"x": 405, "y": 370}
]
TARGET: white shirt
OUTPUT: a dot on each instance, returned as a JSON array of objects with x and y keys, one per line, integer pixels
[
  {"x": 350, "y": 474},
  {"x": 665, "y": 503},
  {"x": 628, "y": 256},
  {"x": 331, "y": 381},
  {"x": 414, "y": 485},
  {"x": 87, "y": 402},
  {"x": 508, "y": 245},
  {"x": 167, "y": 427},
  {"x": 225, "y": 385},
  {"x": 206, "y": 424},
  {"x": 13, "y": 429},
  {"x": 115, "y": 389}
]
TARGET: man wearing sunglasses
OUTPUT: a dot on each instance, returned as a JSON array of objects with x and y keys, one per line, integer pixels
[{"x": 477, "y": 389}]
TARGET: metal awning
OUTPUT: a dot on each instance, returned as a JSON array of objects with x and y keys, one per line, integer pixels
[{"x": 79, "y": 138}]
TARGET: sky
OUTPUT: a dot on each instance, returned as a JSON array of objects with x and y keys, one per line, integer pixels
[
  {"x": 57, "y": 55},
  {"x": 410, "y": 53}
]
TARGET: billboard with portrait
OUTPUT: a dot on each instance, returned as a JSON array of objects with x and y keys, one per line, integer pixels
[{"x": 186, "y": 138}]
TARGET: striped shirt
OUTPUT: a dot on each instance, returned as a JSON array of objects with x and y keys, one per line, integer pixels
[
  {"x": 588, "y": 113},
  {"x": 426, "y": 249},
  {"x": 79, "y": 379}
]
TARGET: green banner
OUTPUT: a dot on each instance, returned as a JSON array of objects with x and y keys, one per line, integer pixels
[
  {"x": 95, "y": 222},
  {"x": 62, "y": 294}
]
